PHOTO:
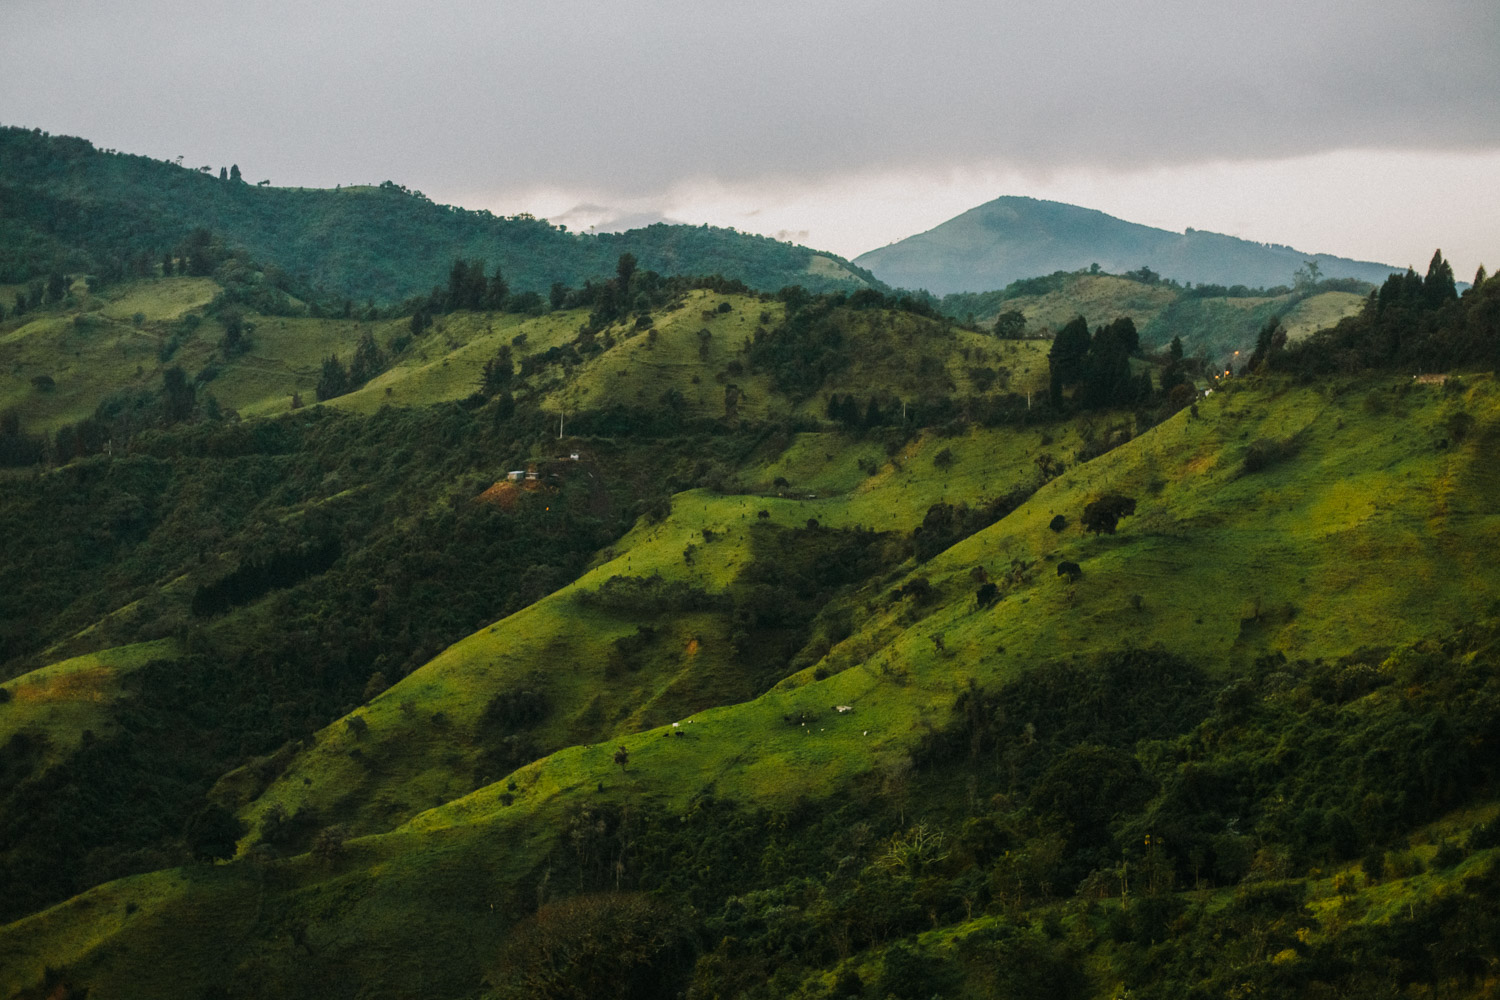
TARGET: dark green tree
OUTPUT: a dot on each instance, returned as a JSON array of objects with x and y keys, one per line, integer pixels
[
  {"x": 1173, "y": 373},
  {"x": 1439, "y": 287},
  {"x": 202, "y": 253},
  {"x": 234, "y": 174},
  {"x": 178, "y": 396},
  {"x": 1067, "y": 358},
  {"x": 496, "y": 292},
  {"x": 1103, "y": 515},
  {"x": 1010, "y": 325},
  {"x": 1106, "y": 376},
  {"x": 368, "y": 361},
  {"x": 211, "y": 833},
  {"x": 498, "y": 372},
  {"x": 234, "y": 331},
  {"x": 334, "y": 379},
  {"x": 1269, "y": 343},
  {"x": 223, "y": 173},
  {"x": 624, "y": 271},
  {"x": 466, "y": 285}
]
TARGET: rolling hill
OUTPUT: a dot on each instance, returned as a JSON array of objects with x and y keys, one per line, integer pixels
[
  {"x": 71, "y": 207},
  {"x": 1010, "y": 238},
  {"x": 817, "y": 658},
  {"x": 647, "y": 767},
  {"x": 1212, "y": 324}
]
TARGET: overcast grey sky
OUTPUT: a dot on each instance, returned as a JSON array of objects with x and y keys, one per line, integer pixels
[{"x": 1362, "y": 128}]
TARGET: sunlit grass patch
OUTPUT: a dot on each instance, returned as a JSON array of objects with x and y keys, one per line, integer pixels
[{"x": 62, "y": 700}]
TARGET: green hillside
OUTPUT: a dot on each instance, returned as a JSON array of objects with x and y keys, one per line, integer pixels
[
  {"x": 816, "y": 652},
  {"x": 1211, "y": 322},
  {"x": 898, "y": 680},
  {"x": 77, "y": 209}
]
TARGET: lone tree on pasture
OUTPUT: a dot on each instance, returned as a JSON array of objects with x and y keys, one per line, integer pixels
[
  {"x": 1103, "y": 515},
  {"x": 1010, "y": 325},
  {"x": 211, "y": 833}
]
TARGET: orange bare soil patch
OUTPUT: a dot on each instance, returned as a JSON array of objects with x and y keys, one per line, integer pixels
[
  {"x": 75, "y": 685},
  {"x": 692, "y": 647},
  {"x": 503, "y": 495},
  {"x": 1202, "y": 463}
]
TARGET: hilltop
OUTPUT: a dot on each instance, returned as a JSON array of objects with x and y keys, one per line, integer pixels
[
  {"x": 78, "y": 209},
  {"x": 1011, "y": 238},
  {"x": 1212, "y": 321}
]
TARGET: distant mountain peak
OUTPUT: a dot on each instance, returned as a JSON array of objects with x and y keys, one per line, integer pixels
[{"x": 1014, "y": 236}]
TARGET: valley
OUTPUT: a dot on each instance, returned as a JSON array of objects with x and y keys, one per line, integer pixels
[{"x": 676, "y": 636}]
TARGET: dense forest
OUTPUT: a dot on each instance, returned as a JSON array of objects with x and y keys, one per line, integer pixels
[
  {"x": 1411, "y": 323},
  {"x": 73, "y": 208}
]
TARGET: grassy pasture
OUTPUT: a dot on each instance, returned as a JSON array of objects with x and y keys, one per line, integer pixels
[
  {"x": 62, "y": 700},
  {"x": 87, "y": 359},
  {"x": 160, "y": 300},
  {"x": 1320, "y": 312},
  {"x": 562, "y": 647},
  {"x": 447, "y": 362},
  {"x": 1367, "y": 530},
  {"x": 1213, "y": 554},
  {"x": 117, "y": 343},
  {"x": 1099, "y": 298},
  {"x": 643, "y": 365},
  {"x": 905, "y": 679}
]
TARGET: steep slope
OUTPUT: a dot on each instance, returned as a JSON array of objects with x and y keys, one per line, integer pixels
[
  {"x": 1233, "y": 560},
  {"x": 1012, "y": 238},
  {"x": 1192, "y": 573},
  {"x": 70, "y": 206},
  {"x": 843, "y": 680}
]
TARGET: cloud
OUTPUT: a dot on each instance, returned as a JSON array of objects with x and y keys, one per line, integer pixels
[
  {"x": 629, "y": 99},
  {"x": 838, "y": 124}
]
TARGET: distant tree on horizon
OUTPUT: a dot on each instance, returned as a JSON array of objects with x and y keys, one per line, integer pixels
[{"x": 1439, "y": 287}]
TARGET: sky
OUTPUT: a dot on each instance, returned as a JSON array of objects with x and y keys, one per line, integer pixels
[{"x": 1362, "y": 128}]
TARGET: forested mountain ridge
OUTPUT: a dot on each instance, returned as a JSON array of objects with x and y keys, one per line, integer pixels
[
  {"x": 833, "y": 650},
  {"x": 70, "y": 207},
  {"x": 1012, "y": 238}
]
